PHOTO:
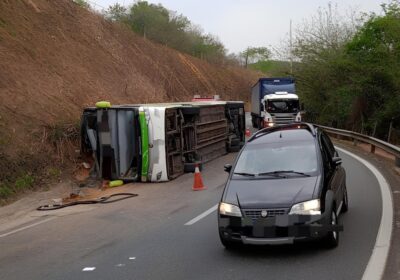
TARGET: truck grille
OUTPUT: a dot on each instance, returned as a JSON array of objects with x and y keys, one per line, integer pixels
[
  {"x": 284, "y": 119},
  {"x": 256, "y": 213}
]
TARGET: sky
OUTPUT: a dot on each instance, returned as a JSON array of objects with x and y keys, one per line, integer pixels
[{"x": 258, "y": 23}]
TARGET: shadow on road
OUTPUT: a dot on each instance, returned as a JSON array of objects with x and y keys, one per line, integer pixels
[{"x": 268, "y": 251}]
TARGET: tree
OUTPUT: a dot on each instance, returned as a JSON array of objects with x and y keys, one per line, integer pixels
[
  {"x": 254, "y": 54},
  {"x": 82, "y": 3},
  {"x": 149, "y": 20},
  {"x": 376, "y": 47},
  {"x": 169, "y": 28},
  {"x": 321, "y": 69},
  {"x": 116, "y": 12}
]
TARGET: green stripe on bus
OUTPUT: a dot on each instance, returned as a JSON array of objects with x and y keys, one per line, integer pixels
[{"x": 144, "y": 131}]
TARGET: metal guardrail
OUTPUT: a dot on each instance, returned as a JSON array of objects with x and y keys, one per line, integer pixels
[{"x": 374, "y": 142}]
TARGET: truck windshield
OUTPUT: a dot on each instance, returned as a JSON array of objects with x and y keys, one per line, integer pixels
[{"x": 282, "y": 106}]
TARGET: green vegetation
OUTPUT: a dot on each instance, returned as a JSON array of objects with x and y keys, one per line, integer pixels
[
  {"x": 271, "y": 67},
  {"x": 2, "y": 23},
  {"x": 82, "y": 3},
  {"x": 5, "y": 192},
  {"x": 22, "y": 183},
  {"x": 255, "y": 54},
  {"x": 166, "y": 27},
  {"x": 53, "y": 172},
  {"x": 348, "y": 73}
]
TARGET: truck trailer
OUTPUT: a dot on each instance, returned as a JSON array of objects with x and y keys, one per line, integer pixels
[
  {"x": 159, "y": 142},
  {"x": 274, "y": 102}
]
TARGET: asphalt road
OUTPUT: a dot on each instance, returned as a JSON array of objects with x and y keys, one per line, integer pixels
[{"x": 146, "y": 238}]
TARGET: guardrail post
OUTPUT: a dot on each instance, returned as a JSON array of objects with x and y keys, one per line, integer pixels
[
  {"x": 372, "y": 149},
  {"x": 397, "y": 161},
  {"x": 354, "y": 142},
  {"x": 390, "y": 130}
]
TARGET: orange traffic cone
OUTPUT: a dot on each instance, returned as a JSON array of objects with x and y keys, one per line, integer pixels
[{"x": 198, "y": 182}]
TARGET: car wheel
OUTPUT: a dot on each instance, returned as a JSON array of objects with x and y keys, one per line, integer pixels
[
  {"x": 229, "y": 244},
  {"x": 332, "y": 239},
  {"x": 345, "y": 206}
]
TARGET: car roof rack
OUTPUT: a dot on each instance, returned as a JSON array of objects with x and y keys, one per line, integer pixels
[{"x": 296, "y": 125}]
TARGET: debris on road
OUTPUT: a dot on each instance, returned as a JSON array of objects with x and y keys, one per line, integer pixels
[
  {"x": 115, "y": 183},
  {"x": 105, "y": 199},
  {"x": 88, "y": 269}
]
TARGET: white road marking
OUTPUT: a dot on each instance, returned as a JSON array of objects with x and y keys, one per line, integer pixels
[
  {"x": 88, "y": 269},
  {"x": 377, "y": 261},
  {"x": 202, "y": 215},
  {"x": 27, "y": 227},
  {"x": 132, "y": 258}
]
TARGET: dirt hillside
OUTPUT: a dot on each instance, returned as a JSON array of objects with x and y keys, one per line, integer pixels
[{"x": 56, "y": 58}]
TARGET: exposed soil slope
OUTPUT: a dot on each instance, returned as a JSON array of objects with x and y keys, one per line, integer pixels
[{"x": 56, "y": 58}]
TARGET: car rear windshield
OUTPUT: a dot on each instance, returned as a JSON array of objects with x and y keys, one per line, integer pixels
[{"x": 262, "y": 158}]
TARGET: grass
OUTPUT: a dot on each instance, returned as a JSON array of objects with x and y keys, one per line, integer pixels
[
  {"x": 53, "y": 173},
  {"x": 63, "y": 132},
  {"x": 24, "y": 182},
  {"x": 2, "y": 23},
  {"x": 5, "y": 191},
  {"x": 272, "y": 67}
]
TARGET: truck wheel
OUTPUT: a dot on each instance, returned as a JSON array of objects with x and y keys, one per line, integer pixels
[
  {"x": 190, "y": 110},
  {"x": 190, "y": 167},
  {"x": 234, "y": 149}
]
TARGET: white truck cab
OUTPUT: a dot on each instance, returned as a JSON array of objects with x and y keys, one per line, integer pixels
[{"x": 280, "y": 108}]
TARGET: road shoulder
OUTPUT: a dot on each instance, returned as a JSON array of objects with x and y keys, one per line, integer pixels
[{"x": 390, "y": 172}]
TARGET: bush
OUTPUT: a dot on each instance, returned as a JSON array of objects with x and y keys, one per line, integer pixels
[
  {"x": 5, "y": 191},
  {"x": 24, "y": 182}
]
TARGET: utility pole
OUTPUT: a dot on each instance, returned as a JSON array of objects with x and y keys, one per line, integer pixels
[{"x": 291, "y": 48}]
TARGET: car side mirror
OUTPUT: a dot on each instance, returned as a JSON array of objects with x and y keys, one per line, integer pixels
[
  {"x": 337, "y": 161},
  {"x": 228, "y": 167}
]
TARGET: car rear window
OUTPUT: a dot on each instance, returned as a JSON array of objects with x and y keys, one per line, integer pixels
[{"x": 260, "y": 158}]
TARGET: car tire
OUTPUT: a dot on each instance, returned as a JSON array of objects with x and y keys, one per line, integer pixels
[
  {"x": 345, "y": 206},
  {"x": 332, "y": 239},
  {"x": 229, "y": 244}
]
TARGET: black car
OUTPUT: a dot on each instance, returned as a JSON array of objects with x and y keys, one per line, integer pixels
[{"x": 286, "y": 185}]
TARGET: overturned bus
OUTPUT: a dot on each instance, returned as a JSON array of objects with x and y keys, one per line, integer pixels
[{"x": 158, "y": 142}]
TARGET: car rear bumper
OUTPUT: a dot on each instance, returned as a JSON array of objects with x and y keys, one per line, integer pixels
[
  {"x": 267, "y": 241},
  {"x": 284, "y": 229}
]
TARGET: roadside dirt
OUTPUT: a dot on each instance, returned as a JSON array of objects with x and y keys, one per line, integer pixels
[{"x": 57, "y": 58}]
